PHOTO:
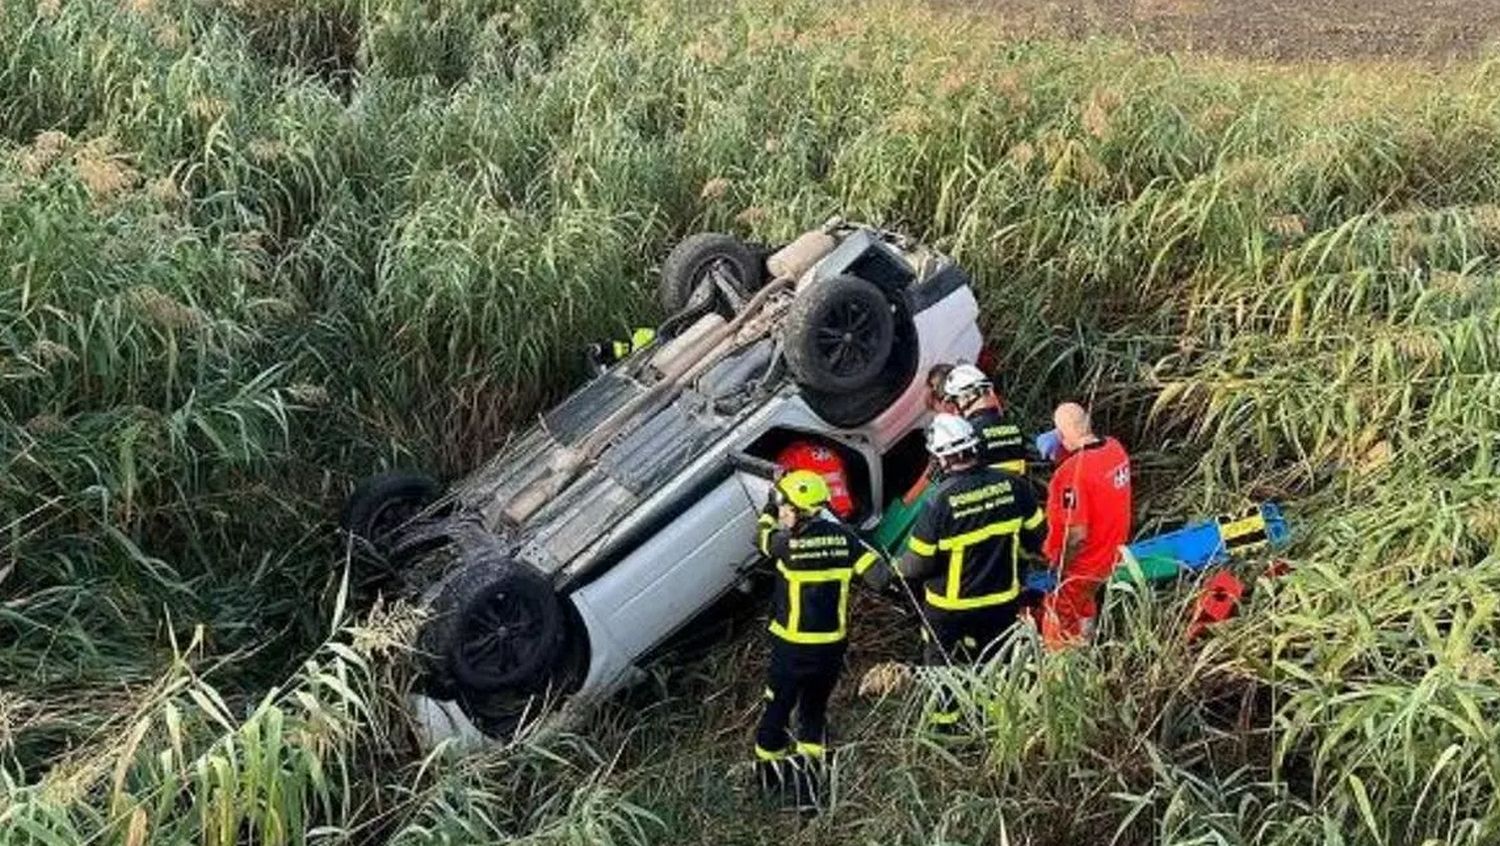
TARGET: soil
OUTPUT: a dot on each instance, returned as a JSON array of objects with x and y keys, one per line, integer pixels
[{"x": 1281, "y": 30}]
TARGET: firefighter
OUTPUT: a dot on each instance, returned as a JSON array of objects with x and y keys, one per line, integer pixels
[
  {"x": 816, "y": 558},
  {"x": 602, "y": 356},
  {"x": 1088, "y": 519},
  {"x": 973, "y": 395},
  {"x": 966, "y": 548}
]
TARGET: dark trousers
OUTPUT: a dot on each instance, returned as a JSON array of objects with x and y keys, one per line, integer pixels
[
  {"x": 801, "y": 679},
  {"x": 961, "y": 638}
]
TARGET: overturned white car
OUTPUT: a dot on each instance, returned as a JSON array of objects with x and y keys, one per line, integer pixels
[{"x": 628, "y": 512}]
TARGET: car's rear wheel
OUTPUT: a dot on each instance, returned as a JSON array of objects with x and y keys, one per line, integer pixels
[
  {"x": 839, "y": 334},
  {"x": 695, "y": 260},
  {"x": 852, "y": 350}
]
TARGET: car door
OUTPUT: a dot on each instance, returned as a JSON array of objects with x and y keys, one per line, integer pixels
[{"x": 669, "y": 579}]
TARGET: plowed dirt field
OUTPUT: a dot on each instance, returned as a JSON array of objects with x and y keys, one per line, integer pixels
[{"x": 1427, "y": 30}]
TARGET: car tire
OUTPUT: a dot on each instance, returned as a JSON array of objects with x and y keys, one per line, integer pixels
[
  {"x": 695, "y": 256},
  {"x": 381, "y": 505},
  {"x": 839, "y": 335},
  {"x": 852, "y": 409},
  {"x": 505, "y": 630},
  {"x": 502, "y": 713}
]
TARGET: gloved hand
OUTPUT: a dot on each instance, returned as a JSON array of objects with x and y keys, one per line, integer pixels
[
  {"x": 598, "y": 362},
  {"x": 1049, "y": 444},
  {"x": 773, "y": 502}
]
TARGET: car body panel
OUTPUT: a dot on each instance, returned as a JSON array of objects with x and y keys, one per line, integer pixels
[{"x": 664, "y": 583}]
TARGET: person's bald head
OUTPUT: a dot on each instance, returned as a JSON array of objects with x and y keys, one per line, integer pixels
[{"x": 1073, "y": 425}]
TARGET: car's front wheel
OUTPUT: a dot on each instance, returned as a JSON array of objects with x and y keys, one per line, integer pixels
[
  {"x": 381, "y": 506},
  {"x": 493, "y": 624},
  {"x": 499, "y": 640},
  {"x": 508, "y": 635}
]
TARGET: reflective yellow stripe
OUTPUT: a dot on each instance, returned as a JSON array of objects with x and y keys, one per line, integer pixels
[
  {"x": 955, "y": 546},
  {"x": 1006, "y": 527},
  {"x": 807, "y": 638},
  {"x": 921, "y": 547},
  {"x": 641, "y": 337},
  {"x": 864, "y": 563},
  {"x": 794, "y": 601},
  {"x": 955, "y": 575},
  {"x": 792, "y": 631},
  {"x": 1035, "y": 520},
  {"x": 1252, "y": 525},
  {"x": 811, "y": 750},
  {"x": 829, "y": 575},
  {"x": 768, "y": 755},
  {"x": 970, "y": 602},
  {"x": 620, "y": 349},
  {"x": 767, "y": 525},
  {"x": 1018, "y": 466}
]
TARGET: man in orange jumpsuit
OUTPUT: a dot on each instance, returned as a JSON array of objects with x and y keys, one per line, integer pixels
[{"x": 1088, "y": 520}]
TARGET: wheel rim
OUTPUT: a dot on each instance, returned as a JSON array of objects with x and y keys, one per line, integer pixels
[
  {"x": 392, "y": 515},
  {"x": 700, "y": 273},
  {"x": 845, "y": 340},
  {"x": 703, "y": 273},
  {"x": 501, "y": 634}
]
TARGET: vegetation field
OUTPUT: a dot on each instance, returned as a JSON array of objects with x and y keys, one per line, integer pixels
[{"x": 251, "y": 250}]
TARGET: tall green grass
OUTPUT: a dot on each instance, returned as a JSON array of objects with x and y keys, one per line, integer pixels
[{"x": 253, "y": 250}]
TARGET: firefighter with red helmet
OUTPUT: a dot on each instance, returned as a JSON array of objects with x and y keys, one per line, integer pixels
[{"x": 824, "y": 460}]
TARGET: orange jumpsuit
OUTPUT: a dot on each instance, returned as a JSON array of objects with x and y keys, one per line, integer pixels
[{"x": 1090, "y": 489}]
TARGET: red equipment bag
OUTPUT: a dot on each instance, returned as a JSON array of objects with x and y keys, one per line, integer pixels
[{"x": 825, "y": 461}]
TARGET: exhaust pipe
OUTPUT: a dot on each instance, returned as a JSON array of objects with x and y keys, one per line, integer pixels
[{"x": 566, "y": 463}]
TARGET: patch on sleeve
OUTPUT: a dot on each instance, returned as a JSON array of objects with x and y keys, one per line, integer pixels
[
  {"x": 1121, "y": 476},
  {"x": 1070, "y": 498}
]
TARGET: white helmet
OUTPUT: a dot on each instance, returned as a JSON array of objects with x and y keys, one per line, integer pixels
[
  {"x": 964, "y": 383},
  {"x": 950, "y": 435}
]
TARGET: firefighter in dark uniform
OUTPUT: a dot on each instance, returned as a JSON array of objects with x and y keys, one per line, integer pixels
[
  {"x": 966, "y": 548},
  {"x": 972, "y": 394},
  {"x": 816, "y": 558}
]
